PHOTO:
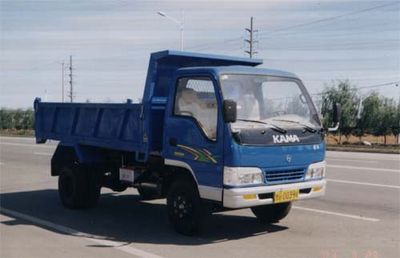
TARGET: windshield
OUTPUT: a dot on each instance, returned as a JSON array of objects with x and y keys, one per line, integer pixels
[{"x": 269, "y": 99}]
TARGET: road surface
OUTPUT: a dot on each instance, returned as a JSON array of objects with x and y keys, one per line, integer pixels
[{"x": 358, "y": 217}]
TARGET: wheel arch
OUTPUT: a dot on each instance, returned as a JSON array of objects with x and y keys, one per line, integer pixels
[
  {"x": 67, "y": 155},
  {"x": 64, "y": 155},
  {"x": 178, "y": 170}
]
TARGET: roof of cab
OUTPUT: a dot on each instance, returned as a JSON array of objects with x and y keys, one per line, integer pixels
[
  {"x": 236, "y": 69},
  {"x": 187, "y": 58}
]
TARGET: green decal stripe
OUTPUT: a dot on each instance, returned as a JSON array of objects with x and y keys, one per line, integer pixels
[
  {"x": 200, "y": 155},
  {"x": 209, "y": 156},
  {"x": 190, "y": 150}
]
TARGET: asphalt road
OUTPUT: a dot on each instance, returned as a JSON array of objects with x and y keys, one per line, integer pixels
[{"x": 359, "y": 216}]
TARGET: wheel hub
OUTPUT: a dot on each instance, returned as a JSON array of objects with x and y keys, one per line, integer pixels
[{"x": 181, "y": 206}]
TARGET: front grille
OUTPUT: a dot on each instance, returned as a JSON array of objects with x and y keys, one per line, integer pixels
[{"x": 283, "y": 176}]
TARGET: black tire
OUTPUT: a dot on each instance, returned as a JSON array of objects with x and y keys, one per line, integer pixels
[
  {"x": 146, "y": 194},
  {"x": 186, "y": 211},
  {"x": 78, "y": 187},
  {"x": 119, "y": 188},
  {"x": 272, "y": 213}
]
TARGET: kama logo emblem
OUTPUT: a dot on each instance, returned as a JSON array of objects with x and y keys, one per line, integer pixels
[
  {"x": 289, "y": 158},
  {"x": 285, "y": 138}
]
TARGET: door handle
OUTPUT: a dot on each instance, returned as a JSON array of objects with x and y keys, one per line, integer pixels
[{"x": 173, "y": 141}]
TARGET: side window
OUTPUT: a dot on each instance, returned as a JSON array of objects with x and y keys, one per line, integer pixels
[{"x": 195, "y": 97}]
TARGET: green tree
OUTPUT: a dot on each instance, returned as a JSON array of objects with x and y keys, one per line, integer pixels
[
  {"x": 387, "y": 119},
  {"x": 396, "y": 127},
  {"x": 6, "y": 119},
  {"x": 343, "y": 93},
  {"x": 370, "y": 114},
  {"x": 16, "y": 119},
  {"x": 27, "y": 119}
]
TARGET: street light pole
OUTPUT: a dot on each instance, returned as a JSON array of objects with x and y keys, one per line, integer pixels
[
  {"x": 181, "y": 28},
  {"x": 62, "y": 81},
  {"x": 179, "y": 22}
]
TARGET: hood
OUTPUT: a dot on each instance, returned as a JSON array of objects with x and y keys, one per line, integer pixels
[{"x": 300, "y": 155}]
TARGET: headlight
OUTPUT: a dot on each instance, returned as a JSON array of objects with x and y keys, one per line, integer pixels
[
  {"x": 237, "y": 176},
  {"x": 316, "y": 170}
]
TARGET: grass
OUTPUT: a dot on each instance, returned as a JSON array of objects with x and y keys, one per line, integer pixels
[
  {"x": 352, "y": 139},
  {"x": 20, "y": 133},
  {"x": 354, "y": 143}
]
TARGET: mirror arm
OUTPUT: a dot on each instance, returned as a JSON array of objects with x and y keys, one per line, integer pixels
[{"x": 333, "y": 129}]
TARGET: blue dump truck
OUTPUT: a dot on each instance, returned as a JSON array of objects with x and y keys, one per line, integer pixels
[{"x": 212, "y": 133}]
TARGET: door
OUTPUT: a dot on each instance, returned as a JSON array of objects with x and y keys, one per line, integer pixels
[{"x": 193, "y": 136}]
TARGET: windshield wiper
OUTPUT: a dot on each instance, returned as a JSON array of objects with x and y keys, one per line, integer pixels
[
  {"x": 274, "y": 127},
  {"x": 307, "y": 127}
]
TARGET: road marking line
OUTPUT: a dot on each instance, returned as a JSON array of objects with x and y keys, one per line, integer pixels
[
  {"x": 28, "y": 145},
  {"x": 337, "y": 214},
  {"x": 364, "y": 155},
  {"x": 43, "y": 153},
  {"x": 356, "y": 160},
  {"x": 115, "y": 244},
  {"x": 363, "y": 183},
  {"x": 366, "y": 168}
]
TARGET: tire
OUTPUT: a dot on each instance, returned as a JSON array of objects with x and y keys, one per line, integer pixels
[
  {"x": 78, "y": 187},
  {"x": 119, "y": 188},
  {"x": 186, "y": 211},
  {"x": 146, "y": 194},
  {"x": 272, "y": 213}
]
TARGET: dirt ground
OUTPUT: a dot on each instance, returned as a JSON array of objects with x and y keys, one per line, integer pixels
[{"x": 390, "y": 139}]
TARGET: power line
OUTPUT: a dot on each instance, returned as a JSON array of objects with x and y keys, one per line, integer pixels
[
  {"x": 379, "y": 85},
  {"x": 366, "y": 87},
  {"x": 227, "y": 41},
  {"x": 331, "y": 18}
]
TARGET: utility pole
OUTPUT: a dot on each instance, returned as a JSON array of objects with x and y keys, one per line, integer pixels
[
  {"x": 62, "y": 80},
  {"x": 251, "y": 40},
  {"x": 71, "y": 88}
]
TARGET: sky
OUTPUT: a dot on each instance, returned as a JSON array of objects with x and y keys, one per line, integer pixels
[{"x": 111, "y": 40}]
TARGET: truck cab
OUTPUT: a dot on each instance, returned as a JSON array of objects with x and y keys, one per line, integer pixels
[{"x": 273, "y": 143}]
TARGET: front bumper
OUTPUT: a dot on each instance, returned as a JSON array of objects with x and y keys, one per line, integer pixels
[{"x": 235, "y": 197}]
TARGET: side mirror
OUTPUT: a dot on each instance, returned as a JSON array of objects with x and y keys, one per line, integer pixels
[
  {"x": 229, "y": 111},
  {"x": 337, "y": 114}
]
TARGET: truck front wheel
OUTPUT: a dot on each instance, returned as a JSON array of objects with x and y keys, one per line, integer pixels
[
  {"x": 78, "y": 187},
  {"x": 185, "y": 209},
  {"x": 272, "y": 213}
]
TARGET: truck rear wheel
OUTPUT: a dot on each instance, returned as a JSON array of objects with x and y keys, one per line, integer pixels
[
  {"x": 272, "y": 213},
  {"x": 78, "y": 187},
  {"x": 185, "y": 209}
]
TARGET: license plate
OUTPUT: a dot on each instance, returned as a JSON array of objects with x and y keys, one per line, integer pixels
[
  {"x": 127, "y": 175},
  {"x": 286, "y": 196}
]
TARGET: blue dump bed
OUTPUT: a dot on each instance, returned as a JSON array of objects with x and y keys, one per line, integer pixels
[{"x": 114, "y": 126}]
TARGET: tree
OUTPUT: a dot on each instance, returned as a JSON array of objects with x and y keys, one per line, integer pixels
[
  {"x": 6, "y": 120},
  {"x": 344, "y": 94},
  {"x": 27, "y": 119},
  {"x": 16, "y": 119},
  {"x": 387, "y": 119},
  {"x": 396, "y": 127},
  {"x": 369, "y": 115}
]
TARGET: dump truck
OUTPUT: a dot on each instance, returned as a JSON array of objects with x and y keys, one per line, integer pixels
[{"x": 211, "y": 133}]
